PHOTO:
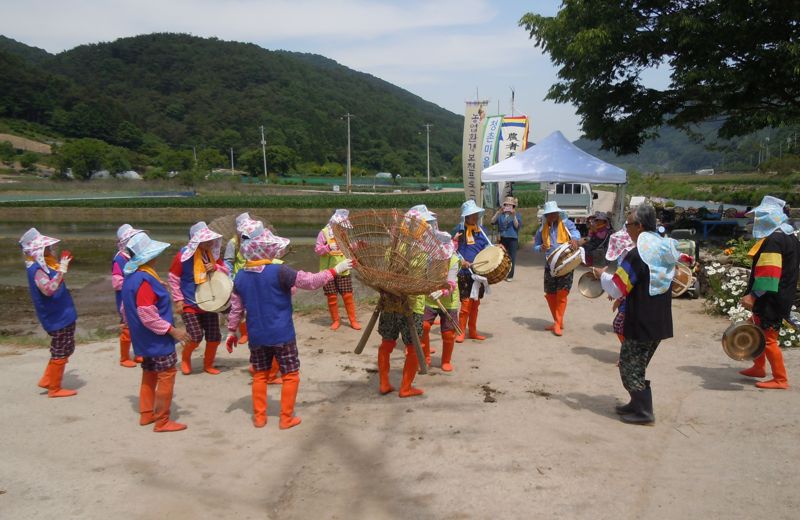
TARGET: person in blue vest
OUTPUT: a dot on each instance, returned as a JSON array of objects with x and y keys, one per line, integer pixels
[
  {"x": 263, "y": 289},
  {"x": 147, "y": 309},
  {"x": 191, "y": 267},
  {"x": 471, "y": 239},
  {"x": 53, "y": 305},
  {"x": 124, "y": 233},
  {"x": 508, "y": 222}
]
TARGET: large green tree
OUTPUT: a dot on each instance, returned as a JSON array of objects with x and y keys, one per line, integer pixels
[{"x": 736, "y": 61}]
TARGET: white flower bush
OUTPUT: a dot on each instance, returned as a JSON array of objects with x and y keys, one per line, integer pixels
[{"x": 728, "y": 284}]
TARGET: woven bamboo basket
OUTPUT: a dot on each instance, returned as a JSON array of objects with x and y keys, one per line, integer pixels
[{"x": 393, "y": 253}]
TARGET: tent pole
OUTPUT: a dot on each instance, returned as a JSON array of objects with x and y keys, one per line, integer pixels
[{"x": 619, "y": 207}]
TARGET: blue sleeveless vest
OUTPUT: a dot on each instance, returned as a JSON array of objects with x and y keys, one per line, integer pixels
[
  {"x": 54, "y": 312},
  {"x": 146, "y": 342},
  {"x": 268, "y": 306}
]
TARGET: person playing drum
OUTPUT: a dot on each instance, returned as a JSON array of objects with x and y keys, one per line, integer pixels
[
  {"x": 772, "y": 285},
  {"x": 330, "y": 255},
  {"x": 263, "y": 288},
  {"x": 471, "y": 239},
  {"x": 190, "y": 268},
  {"x": 508, "y": 222},
  {"x": 556, "y": 229},
  {"x": 147, "y": 311},
  {"x": 124, "y": 233}
]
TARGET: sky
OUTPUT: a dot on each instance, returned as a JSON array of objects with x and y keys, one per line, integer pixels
[{"x": 445, "y": 51}]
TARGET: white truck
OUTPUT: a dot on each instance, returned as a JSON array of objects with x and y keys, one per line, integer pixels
[{"x": 577, "y": 199}]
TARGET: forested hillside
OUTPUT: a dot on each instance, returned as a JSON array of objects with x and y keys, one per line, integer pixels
[{"x": 178, "y": 91}]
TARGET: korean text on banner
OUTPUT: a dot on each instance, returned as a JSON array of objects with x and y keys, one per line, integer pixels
[
  {"x": 471, "y": 154},
  {"x": 513, "y": 139}
]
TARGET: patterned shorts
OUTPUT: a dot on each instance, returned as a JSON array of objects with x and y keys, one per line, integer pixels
[
  {"x": 198, "y": 325},
  {"x": 619, "y": 323},
  {"x": 393, "y": 324},
  {"x": 556, "y": 283},
  {"x": 286, "y": 354},
  {"x": 339, "y": 284},
  {"x": 446, "y": 323},
  {"x": 634, "y": 356},
  {"x": 465, "y": 284},
  {"x": 160, "y": 363},
  {"x": 63, "y": 343}
]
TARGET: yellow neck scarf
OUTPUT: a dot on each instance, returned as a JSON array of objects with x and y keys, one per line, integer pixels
[
  {"x": 561, "y": 237},
  {"x": 51, "y": 261},
  {"x": 471, "y": 230},
  {"x": 256, "y": 263},
  {"x": 200, "y": 274},
  {"x": 152, "y": 272},
  {"x": 754, "y": 250}
]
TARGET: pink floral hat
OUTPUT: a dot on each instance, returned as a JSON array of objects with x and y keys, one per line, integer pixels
[
  {"x": 200, "y": 233},
  {"x": 125, "y": 233},
  {"x": 263, "y": 244},
  {"x": 33, "y": 245},
  {"x": 619, "y": 244}
]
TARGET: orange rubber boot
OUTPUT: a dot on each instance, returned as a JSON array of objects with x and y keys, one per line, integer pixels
[
  {"x": 448, "y": 342},
  {"x": 551, "y": 303},
  {"x": 463, "y": 313},
  {"x": 125, "y": 348},
  {"x": 621, "y": 338},
  {"x": 775, "y": 357},
  {"x": 147, "y": 397},
  {"x": 561, "y": 308},
  {"x": 473, "y": 321},
  {"x": 186, "y": 357},
  {"x": 426, "y": 341},
  {"x": 138, "y": 359},
  {"x": 56, "y": 374},
  {"x": 291, "y": 382},
  {"x": 243, "y": 338},
  {"x": 260, "y": 398},
  {"x": 209, "y": 356},
  {"x": 44, "y": 382},
  {"x": 274, "y": 374},
  {"x": 333, "y": 308},
  {"x": 350, "y": 307},
  {"x": 759, "y": 367},
  {"x": 409, "y": 373},
  {"x": 164, "y": 389},
  {"x": 384, "y": 354}
]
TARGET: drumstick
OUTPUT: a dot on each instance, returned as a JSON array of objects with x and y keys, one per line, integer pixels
[{"x": 456, "y": 326}]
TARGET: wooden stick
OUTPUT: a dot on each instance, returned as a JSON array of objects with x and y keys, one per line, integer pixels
[
  {"x": 456, "y": 326},
  {"x": 368, "y": 329},
  {"x": 423, "y": 366}
]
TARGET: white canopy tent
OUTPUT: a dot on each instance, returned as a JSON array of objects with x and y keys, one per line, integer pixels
[{"x": 555, "y": 159}]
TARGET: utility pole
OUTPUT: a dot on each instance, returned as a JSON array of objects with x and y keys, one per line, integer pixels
[
  {"x": 428, "y": 147},
  {"x": 348, "y": 116},
  {"x": 232, "y": 170},
  {"x": 194, "y": 153},
  {"x": 512, "y": 100},
  {"x": 264, "y": 154}
]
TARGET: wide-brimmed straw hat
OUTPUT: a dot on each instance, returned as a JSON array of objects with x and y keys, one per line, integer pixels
[
  {"x": 510, "y": 200},
  {"x": 143, "y": 249},
  {"x": 200, "y": 233},
  {"x": 263, "y": 244},
  {"x": 33, "y": 245}
]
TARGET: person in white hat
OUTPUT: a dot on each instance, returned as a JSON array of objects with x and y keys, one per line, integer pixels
[
  {"x": 772, "y": 285},
  {"x": 449, "y": 299},
  {"x": 147, "y": 309},
  {"x": 471, "y": 239},
  {"x": 234, "y": 260},
  {"x": 263, "y": 289},
  {"x": 124, "y": 234},
  {"x": 329, "y": 255},
  {"x": 53, "y": 304},
  {"x": 508, "y": 222},
  {"x": 556, "y": 229},
  {"x": 190, "y": 268}
]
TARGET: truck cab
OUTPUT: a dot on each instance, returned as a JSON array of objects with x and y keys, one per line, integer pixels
[{"x": 575, "y": 198}]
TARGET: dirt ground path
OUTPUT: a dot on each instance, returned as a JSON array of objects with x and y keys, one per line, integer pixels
[{"x": 523, "y": 428}]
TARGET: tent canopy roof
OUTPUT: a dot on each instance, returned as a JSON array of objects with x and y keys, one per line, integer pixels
[{"x": 554, "y": 159}]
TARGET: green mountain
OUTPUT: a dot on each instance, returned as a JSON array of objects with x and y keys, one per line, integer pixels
[{"x": 185, "y": 91}]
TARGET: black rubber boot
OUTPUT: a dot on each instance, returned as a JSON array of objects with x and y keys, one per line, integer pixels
[
  {"x": 642, "y": 401},
  {"x": 624, "y": 409}
]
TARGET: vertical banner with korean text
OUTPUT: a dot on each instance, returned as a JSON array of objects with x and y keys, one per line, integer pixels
[
  {"x": 513, "y": 139},
  {"x": 491, "y": 138},
  {"x": 471, "y": 154}
]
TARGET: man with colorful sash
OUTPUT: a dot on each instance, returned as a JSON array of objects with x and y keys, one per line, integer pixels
[
  {"x": 330, "y": 255},
  {"x": 263, "y": 289},
  {"x": 147, "y": 308},
  {"x": 124, "y": 233},
  {"x": 53, "y": 305},
  {"x": 772, "y": 285},
  {"x": 643, "y": 278},
  {"x": 556, "y": 229},
  {"x": 190, "y": 268},
  {"x": 471, "y": 239}
]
